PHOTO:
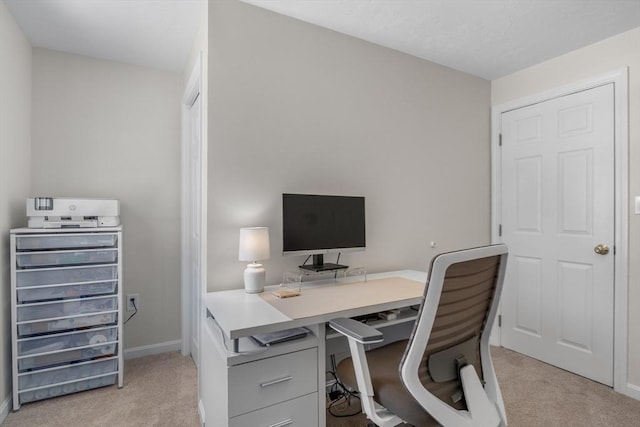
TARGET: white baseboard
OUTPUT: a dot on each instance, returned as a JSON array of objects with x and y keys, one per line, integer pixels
[
  {"x": 5, "y": 408},
  {"x": 633, "y": 391},
  {"x": 149, "y": 350}
]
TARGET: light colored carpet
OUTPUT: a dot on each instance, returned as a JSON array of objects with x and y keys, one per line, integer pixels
[
  {"x": 161, "y": 391},
  {"x": 539, "y": 395}
]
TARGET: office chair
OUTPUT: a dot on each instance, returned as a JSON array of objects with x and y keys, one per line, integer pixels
[{"x": 443, "y": 374}]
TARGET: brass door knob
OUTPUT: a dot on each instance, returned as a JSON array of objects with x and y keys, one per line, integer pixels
[{"x": 601, "y": 249}]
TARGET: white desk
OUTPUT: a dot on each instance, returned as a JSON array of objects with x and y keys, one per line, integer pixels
[{"x": 242, "y": 384}]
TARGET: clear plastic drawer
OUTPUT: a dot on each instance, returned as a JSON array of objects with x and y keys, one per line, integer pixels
[
  {"x": 62, "y": 308},
  {"x": 46, "y": 259},
  {"x": 59, "y": 390},
  {"x": 63, "y": 357},
  {"x": 66, "y": 241},
  {"x": 75, "y": 322},
  {"x": 66, "y": 291},
  {"x": 49, "y": 343},
  {"x": 43, "y": 378},
  {"x": 62, "y": 275}
]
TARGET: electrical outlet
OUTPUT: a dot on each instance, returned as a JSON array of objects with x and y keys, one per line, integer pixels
[{"x": 133, "y": 302}]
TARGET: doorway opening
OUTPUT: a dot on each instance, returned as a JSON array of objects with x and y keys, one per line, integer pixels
[{"x": 193, "y": 211}]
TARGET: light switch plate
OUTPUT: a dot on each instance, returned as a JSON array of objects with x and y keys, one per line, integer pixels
[{"x": 637, "y": 205}]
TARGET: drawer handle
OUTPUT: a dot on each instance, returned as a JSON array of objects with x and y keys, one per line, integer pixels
[
  {"x": 278, "y": 381},
  {"x": 282, "y": 423}
]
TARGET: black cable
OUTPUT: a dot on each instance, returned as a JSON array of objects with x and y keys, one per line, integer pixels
[
  {"x": 346, "y": 398},
  {"x": 133, "y": 302},
  {"x": 305, "y": 261},
  {"x": 344, "y": 395}
]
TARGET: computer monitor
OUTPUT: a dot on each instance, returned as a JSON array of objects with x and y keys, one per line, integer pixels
[{"x": 318, "y": 224}]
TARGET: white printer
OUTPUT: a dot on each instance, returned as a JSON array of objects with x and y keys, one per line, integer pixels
[{"x": 56, "y": 212}]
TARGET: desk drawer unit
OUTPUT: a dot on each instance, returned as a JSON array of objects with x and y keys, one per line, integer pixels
[
  {"x": 300, "y": 412},
  {"x": 66, "y": 311},
  {"x": 273, "y": 380}
]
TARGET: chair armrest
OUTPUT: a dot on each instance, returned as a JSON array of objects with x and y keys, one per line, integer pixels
[{"x": 357, "y": 331}]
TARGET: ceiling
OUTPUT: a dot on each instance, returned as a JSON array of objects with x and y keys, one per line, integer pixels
[
  {"x": 486, "y": 38},
  {"x": 152, "y": 33}
]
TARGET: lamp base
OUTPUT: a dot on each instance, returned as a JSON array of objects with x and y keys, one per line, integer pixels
[{"x": 254, "y": 278}]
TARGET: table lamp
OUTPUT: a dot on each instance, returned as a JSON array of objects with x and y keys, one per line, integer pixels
[{"x": 254, "y": 247}]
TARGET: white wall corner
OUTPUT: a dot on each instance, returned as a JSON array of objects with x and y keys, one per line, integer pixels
[{"x": 149, "y": 350}]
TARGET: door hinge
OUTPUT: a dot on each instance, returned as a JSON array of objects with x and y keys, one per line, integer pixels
[
  {"x": 500, "y": 230},
  {"x": 500, "y": 139},
  {"x": 499, "y": 320}
]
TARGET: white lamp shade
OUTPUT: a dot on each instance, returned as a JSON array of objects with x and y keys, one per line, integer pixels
[{"x": 254, "y": 244}]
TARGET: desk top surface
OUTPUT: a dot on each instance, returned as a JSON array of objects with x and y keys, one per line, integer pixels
[{"x": 240, "y": 314}]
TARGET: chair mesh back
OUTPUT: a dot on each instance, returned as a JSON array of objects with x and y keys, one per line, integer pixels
[{"x": 467, "y": 293}]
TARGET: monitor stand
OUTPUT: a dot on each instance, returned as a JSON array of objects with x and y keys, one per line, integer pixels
[{"x": 320, "y": 265}]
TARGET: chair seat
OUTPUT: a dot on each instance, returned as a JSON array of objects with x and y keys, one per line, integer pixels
[{"x": 389, "y": 392}]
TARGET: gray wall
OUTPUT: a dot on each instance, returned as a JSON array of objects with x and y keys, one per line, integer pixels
[
  {"x": 103, "y": 129},
  {"x": 297, "y": 108},
  {"x": 15, "y": 149},
  {"x": 592, "y": 61}
]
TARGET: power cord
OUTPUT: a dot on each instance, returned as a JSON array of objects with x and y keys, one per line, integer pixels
[
  {"x": 133, "y": 303},
  {"x": 339, "y": 393}
]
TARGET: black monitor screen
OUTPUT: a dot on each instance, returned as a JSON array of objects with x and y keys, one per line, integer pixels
[{"x": 322, "y": 223}]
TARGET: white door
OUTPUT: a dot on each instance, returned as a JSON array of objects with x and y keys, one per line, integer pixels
[
  {"x": 195, "y": 201},
  {"x": 557, "y": 192}
]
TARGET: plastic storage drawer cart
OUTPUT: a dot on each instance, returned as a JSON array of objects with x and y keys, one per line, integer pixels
[{"x": 66, "y": 311}]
